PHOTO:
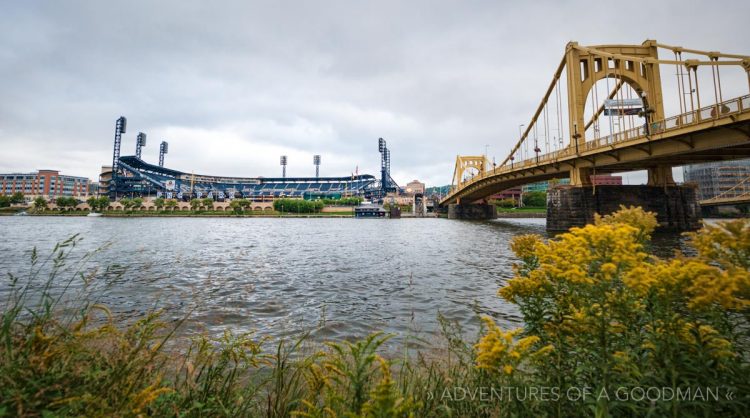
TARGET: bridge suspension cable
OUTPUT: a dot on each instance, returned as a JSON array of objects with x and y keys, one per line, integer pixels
[
  {"x": 635, "y": 70},
  {"x": 625, "y": 122},
  {"x": 539, "y": 110},
  {"x": 725, "y": 193}
]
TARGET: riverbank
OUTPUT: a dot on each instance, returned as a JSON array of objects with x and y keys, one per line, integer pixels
[
  {"x": 186, "y": 214},
  {"x": 521, "y": 212}
]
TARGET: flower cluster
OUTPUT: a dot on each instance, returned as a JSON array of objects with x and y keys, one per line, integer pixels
[
  {"x": 497, "y": 351},
  {"x": 618, "y": 316}
]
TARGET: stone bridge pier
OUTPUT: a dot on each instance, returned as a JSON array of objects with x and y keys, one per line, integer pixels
[
  {"x": 472, "y": 211},
  {"x": 676, "y": 206}
]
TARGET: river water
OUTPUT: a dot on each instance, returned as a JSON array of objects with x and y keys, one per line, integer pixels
[{"x": 337, "y": 278}]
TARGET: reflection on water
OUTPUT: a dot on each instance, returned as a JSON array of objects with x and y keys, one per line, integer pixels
[{"x": 342, "y": 277}]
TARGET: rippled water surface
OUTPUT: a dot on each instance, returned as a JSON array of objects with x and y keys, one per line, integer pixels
[{"x": 341, "y": 278}]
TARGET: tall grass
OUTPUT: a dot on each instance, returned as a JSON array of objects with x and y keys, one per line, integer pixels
[{"x": 65, "y": 354}]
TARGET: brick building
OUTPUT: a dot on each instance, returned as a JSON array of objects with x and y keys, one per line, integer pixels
[{"x": 47, "y": 183}]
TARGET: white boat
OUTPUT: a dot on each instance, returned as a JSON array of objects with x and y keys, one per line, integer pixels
[{"x": 94, "y": 214}]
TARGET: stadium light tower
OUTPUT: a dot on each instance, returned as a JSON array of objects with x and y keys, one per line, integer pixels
[
  {"x": 139, "y": 143},
  {"x": 283, "y": 166},
  {"x": 163, "y": 149},
  {"x": 316, "y": 161},
  {"x": 120, "y": 128},
  {"x": 384, "y": 165}
]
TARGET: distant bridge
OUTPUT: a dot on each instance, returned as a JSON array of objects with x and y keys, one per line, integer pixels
[
  {"x": 713, "y": 130},
  {"x": 737, "y": 195}
]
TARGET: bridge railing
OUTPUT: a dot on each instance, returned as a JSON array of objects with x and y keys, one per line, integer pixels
[{"x": 714, "y": 111}]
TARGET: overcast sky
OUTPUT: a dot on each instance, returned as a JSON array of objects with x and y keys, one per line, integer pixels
[{"x": 233, "y": 85}]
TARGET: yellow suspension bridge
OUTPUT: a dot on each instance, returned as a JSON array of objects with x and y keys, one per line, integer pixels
[{"x": 707, "y": 127}]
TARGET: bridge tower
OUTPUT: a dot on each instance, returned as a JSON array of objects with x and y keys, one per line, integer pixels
[
  {"x": 476, "y": 165},
  {"x": 712, "y": 129},
  {"x": 636, "y": 66}
]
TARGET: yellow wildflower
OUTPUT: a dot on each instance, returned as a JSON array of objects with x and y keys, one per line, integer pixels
[{"x": 497, "y": 351}]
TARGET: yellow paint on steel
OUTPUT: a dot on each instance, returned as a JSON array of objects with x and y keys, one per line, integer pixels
[
  {"x": 701, "y": 135},
  {"x": 656, "y": 146}
]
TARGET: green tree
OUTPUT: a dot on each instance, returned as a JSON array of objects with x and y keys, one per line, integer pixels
[
  {"x": 208, "y": 203},
  {"x": 195, "y": 204},
  {"x": 40, "y": 203},
  {"x": 137, "y": 203},
  {"x": 61, "y": 202},
  {"x": 93, "y": 203},
  {"x": 171, "y": 204},
  {"x": 159, "y": 203},
  {"x": 17, "y": 198},
  {"x": 535, "y": 199},
  {"x": 4, "y": 201},
  {"x": 103, "y": 202},
  {"x": 126, "y": 203},
  {"x": 236, "y": 206}
]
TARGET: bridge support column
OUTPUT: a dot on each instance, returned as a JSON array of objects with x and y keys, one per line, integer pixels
[
  {"x": 580, "y": 176},
  {"x": 676, "y": 207},
  {"x": 660, "y": 176},
  {"x": 472, "y": 211}
]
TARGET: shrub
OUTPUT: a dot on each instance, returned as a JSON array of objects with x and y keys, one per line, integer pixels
[
  {"x": 40, "y": 203},
  {"x": 616, "y": 317},
  {"x": 506, "y": 203},
  {"x": 297, "y": 205}
]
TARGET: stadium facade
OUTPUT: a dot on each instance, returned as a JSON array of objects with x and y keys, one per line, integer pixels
[{"x": 139, "y": 178}]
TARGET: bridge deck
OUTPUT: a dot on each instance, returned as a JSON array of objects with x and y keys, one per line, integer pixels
[{"x": 713, "y": 133}]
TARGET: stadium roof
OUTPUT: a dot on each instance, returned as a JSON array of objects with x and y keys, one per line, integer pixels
[{"x": 138, "y": 163}]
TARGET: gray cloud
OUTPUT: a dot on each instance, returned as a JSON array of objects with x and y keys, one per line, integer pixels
[{"x": 231, "y": 85}]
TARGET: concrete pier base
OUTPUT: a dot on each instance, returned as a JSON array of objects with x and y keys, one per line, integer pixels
[
  {"x": 676, "y": 207},
  {"x": 472, "y": 211}
]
